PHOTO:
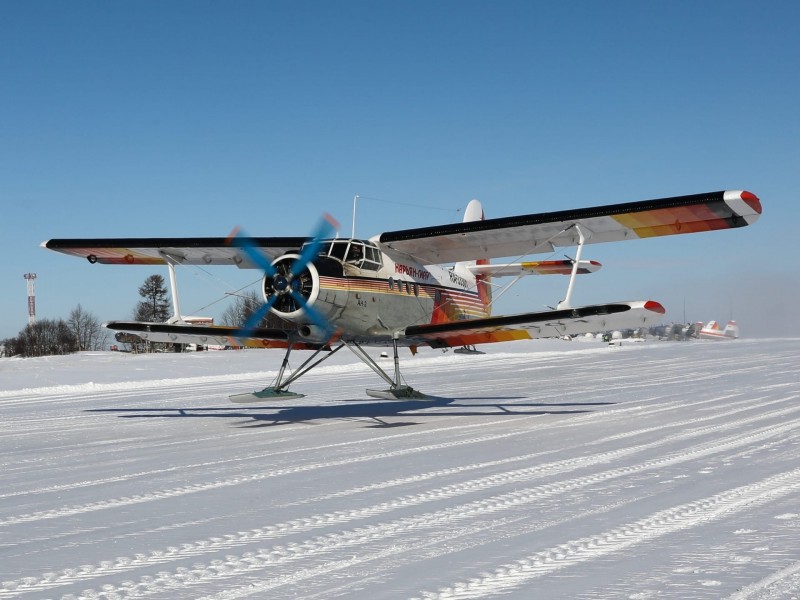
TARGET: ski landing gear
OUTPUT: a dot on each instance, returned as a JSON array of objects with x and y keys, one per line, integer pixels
[{"x": 396, "y": 391}]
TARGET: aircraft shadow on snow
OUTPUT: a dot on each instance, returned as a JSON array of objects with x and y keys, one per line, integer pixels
[{"x": 375, "y": 413}]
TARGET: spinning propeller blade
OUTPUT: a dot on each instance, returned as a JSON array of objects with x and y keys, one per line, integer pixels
[
  {"x": 285, "y": 282},
  {"x": 238, "y": 239},
  {"x": 326, "y": 227},
  {"x": 258, "y": 315},
  {"x": 314, "y": 316}
]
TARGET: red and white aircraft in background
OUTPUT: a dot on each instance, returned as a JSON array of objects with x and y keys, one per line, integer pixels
[
  {"x": 712, "y": 331},
  {"x": 416, "y": 287}
]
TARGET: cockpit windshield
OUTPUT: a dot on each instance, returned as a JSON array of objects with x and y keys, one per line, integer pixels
[{"x": 360, "y": 253}]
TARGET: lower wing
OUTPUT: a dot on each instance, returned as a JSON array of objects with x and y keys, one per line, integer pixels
[
  {"x": 551, "y": 323},
  {"x": 220, "y": 335}
]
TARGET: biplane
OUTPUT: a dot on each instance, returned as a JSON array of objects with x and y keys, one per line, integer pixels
[{"x": 430, "y": 286}]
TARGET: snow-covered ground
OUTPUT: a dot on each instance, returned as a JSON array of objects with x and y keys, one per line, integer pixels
[{"x": 544, "y": 470}]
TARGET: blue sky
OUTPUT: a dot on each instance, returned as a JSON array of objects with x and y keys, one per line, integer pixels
[{"x": 189, "y": 118}]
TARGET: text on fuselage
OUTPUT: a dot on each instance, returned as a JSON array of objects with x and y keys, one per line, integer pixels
[
  {"x": 414, "y": 272},
  {"x": 458, "y": 280}
]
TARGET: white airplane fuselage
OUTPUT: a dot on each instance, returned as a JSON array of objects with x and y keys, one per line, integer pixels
[{"x": 370, "y": 293}]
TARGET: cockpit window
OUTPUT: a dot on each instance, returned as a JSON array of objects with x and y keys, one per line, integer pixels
[
  {"x": 337, "y": 249},
  {"x": 355, "y": 253},
  {"x": 362, "y": 254}
]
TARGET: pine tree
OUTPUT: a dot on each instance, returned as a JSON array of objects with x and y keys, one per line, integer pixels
[{"x": 155, "y": 307}]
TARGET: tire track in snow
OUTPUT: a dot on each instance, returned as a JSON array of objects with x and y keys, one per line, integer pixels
[
  {"x": 260, "y": 455},
  {"x": 51, "y": 393},
  {"x": 269, "y": 453},
  {"x": 511, "y": 576},
  {"x": 413, "y": 545},
  {"x": 233, "y": 481},
  {"x": 261, "y": 560},
  {"x": 227, "y": 482},
  {"x": 681, "y": 425},
  {"x": 783, "y": 582},
  {"x": 748, "y": 406},
  {"x": 442, "y": 518}
]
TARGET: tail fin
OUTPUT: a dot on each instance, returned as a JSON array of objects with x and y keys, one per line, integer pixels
[
  {"x": 731, "y": 330},
  {"x": 483, "y": 282}
]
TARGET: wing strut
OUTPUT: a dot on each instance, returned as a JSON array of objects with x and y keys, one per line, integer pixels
[
  {"x": 582, "y": 239},
  {"x": 173, "y": 286},
  {"x": 536, "y": 245},
  {"x": 176, "y": 303}
]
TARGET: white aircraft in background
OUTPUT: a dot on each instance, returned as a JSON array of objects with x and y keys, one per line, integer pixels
[
  {"x": 430, "y": 286},
  {"x": 712, "y": 331}
]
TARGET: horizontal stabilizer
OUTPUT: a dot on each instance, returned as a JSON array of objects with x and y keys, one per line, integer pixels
[{"x": 543, "y": 267}]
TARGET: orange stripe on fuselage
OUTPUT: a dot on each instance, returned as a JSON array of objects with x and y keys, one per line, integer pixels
[{"x": 450, "y": 304}]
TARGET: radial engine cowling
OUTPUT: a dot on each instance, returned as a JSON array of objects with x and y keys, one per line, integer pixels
[{"x": 284, "y": 291}]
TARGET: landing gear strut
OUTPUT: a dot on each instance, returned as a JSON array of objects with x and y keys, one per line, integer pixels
[{"x": 396, "y": 391}]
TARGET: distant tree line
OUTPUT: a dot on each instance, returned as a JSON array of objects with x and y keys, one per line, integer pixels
[{"x": 82, "y": 331}]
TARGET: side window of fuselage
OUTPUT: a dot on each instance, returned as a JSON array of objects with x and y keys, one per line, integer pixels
[{"x": 372, "y": 258}]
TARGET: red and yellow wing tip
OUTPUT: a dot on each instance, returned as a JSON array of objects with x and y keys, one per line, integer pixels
[{"x": 752, "y": 200}]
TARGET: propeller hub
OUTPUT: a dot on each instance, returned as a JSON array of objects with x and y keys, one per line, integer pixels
[
  {"x": 291, "y": 289},
  {"x": 280, "y": 284}
]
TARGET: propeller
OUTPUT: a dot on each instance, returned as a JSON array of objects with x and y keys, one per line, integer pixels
[{"x": 288, "y": 281}]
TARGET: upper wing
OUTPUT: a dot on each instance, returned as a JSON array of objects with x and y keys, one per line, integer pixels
[
  {"x": 542, "y": 233},
  {"x": 551, "y": 323},
  {"x": 184, "y": 251}
]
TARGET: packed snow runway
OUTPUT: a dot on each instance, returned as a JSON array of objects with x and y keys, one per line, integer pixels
[{"x": 543, "y": 469}]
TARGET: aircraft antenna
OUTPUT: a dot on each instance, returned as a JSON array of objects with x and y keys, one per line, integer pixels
[
  {"x": 355, "y": 202},
  {"x": 358, "y": 197},
  {"x": 31, "y": 278}
]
